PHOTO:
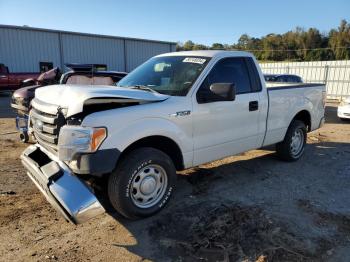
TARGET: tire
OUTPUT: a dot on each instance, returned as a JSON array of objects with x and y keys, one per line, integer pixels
[
  {"x": 137, "y": 177},
  {"x": 24, "y": 137},
  {"x": 289, "y": 151}
]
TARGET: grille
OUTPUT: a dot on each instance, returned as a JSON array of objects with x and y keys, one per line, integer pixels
[{"x": 46, "y": 127}]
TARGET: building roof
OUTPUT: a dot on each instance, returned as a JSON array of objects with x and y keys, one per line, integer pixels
[{"x": 28, "y": 28}]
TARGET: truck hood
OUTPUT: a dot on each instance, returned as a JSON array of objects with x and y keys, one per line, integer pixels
[{"x": 72, "y": 98}]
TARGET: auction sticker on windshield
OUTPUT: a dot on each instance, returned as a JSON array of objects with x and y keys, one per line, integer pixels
[{"x": 194, "y": 60}]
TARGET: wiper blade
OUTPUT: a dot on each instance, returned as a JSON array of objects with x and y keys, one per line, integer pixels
[{"x": 142, "y": 87}]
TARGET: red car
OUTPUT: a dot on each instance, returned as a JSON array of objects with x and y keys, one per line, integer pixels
[{"x": 12, "y": 81}]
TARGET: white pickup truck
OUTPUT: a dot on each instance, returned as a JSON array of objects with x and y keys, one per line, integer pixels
[{"x": 175, "y": 111}]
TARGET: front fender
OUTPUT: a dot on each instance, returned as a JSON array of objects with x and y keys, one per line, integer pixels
[
  {"x": 125, "y": 135},
  {"x": 129, "y": 124}
]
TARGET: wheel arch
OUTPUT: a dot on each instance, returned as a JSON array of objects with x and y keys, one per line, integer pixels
[
  {"x": 162, "y": 143},
  {"x": 304, "y": 116}
]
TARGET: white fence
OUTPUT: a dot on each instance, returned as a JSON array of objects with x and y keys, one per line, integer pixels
[{"x": 335, "y": 74}]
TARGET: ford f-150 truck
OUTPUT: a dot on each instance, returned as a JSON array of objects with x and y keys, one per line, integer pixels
[{"x": 175, "y": 111}]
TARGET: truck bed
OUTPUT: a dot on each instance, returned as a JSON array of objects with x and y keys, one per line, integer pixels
[
  {"x": 279, "y": 86},
  {"x": 285, "y": 101}
]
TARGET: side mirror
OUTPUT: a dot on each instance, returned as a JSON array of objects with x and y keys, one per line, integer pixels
[{"x": 226, "y": 91}]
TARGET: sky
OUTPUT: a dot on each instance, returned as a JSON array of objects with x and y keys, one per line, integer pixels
[{"x": 204, "y": 22}]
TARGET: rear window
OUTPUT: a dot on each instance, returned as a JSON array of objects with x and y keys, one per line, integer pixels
[{"x": 254, "y": 75}]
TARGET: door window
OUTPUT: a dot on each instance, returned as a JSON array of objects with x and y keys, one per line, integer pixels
[{"x": 228, "y": 70}]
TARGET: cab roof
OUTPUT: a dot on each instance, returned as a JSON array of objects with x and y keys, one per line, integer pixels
[{"x": 209, "y": 53}]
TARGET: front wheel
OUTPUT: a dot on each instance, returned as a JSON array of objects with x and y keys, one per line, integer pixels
[
  {"x": 24, "y": 137},
  {"x": 293, "y": 145},
  {"x": 142, "y": 183}
]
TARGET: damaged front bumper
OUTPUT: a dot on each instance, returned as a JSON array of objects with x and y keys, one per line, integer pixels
[{"x": 62, "y": 189}]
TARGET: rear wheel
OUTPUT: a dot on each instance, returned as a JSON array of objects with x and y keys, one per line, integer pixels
[
  {"x": 293, "y": 145},
  {"x": 142, "y": 183}
]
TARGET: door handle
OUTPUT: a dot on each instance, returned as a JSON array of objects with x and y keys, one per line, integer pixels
[{"x": 253, "y": 105}]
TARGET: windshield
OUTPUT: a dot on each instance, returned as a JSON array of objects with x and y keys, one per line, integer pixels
[{"x": 171, "y": 75}]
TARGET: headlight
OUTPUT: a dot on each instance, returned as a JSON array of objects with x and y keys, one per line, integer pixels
[{"x": 76, "y": 139}]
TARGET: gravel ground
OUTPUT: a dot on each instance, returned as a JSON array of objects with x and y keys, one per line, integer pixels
[{"x": 249, "y": 207}]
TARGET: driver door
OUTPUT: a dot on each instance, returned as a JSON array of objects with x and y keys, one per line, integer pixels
[{"x": 224, "y": 128}]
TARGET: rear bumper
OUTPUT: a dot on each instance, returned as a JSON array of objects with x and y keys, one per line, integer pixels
[{"x": 62, "y": 189}]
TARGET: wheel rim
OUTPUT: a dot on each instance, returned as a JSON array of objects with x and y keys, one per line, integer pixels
[
  {"x": 148, "y": 186},
  {"x": 297, "y": 143}
]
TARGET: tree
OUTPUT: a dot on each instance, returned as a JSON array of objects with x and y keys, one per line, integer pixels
[
  {"x": 296, "y": 45},
  {"x": 188, "y": 45},
  {"x": 199, "y": 47},
  {"x": 243, "y": 42},
  {"x": 217, "y": 46},
  {"x": 179, "y": 46},
  {"x": 339, "y": 41},
  {"x": 273, "y": 48}
]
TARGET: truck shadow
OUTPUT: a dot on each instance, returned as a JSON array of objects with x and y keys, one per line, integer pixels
[{"x": 263, "y": 181}]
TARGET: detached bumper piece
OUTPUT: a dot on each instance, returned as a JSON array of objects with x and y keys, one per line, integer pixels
[{"x": 63, "y": 190}]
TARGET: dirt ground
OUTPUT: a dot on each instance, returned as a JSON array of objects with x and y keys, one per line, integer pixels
[{"x": 250, "y": 207}]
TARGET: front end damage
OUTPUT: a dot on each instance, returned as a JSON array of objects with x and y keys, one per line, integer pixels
[
  {"x": 62, "y": 189},
  {"x": 61, "y": 108}
]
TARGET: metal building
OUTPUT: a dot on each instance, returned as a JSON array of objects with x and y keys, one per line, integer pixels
[{"x": 27, "y": 49}]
